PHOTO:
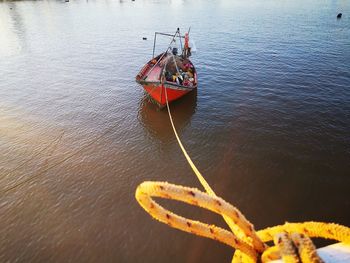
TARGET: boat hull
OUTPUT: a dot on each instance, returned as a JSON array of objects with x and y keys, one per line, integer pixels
[
  {"x": 157, "y": 93},
  {"x": 152, "y": 78}
]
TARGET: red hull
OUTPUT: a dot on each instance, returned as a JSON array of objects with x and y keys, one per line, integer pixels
[{"x": 157, "y": 93}]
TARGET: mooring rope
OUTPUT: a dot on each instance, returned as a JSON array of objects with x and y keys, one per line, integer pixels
[
  {"x": 289, "y": 245},
  {"x": 193, "y": 196},
  {"x": 188, "y": 158},
  {"x": 257, "y": 243},
  {"x": 292, "y": 240}
]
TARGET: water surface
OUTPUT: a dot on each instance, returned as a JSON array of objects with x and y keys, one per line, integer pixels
[{"x": 268, "y": 127}]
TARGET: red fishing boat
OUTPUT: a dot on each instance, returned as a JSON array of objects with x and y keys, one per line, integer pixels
[{"x": 170, "y": 75}]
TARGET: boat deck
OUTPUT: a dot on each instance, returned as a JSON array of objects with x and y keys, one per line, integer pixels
[{"x": 153, "y": 74}]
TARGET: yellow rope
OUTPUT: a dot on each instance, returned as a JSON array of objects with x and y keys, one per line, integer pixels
[
  {"x": 201, "y": 179},
  {"x": 240, "y": 257},
  {"x": 249, "y": 245},
  {"x": 293, "y": 248},
  {"x": 286, "y": 248},
  {"x": 245, "y": 252},
  {"x": 256, "y": 242},
  {"x": 306, "y": 249},
  {"x": 311, "y": 229},
  {"x": 271, "y": 253},
  {"x": 193, "y": 196}
]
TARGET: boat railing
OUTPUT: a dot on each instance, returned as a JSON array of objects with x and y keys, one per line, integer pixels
[
  {"x": 158, "y": 61},
  {"x": 177, "y": 34}
]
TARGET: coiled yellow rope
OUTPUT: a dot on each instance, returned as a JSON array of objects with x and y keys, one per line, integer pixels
[
  {"x": 306, "y": 249},
  {"x": 245, "y": 252},
  {"x": 291, "y": 241},
  {"x": 311, "y": 229},
  {"x": 286, "y": 248},
  {"x": 146, "y": 190},
  {"x": 292, "y": 248},
  {"x": 271, "y": 253}
]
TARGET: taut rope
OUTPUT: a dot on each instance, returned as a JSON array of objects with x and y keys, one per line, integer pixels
[{"x": 292, "y": 242}]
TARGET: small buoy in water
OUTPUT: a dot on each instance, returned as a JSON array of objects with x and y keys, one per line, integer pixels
[
  {"x": 144, "y": 38},
  {"x": 339, "y": 15}
]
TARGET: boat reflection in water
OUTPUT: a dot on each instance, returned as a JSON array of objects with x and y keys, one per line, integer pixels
[{"x": 156, "y": 121}]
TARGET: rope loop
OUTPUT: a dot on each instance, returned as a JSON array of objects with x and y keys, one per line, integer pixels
[
  {"x": 193, "y": 196},
  {"x": 292, "y": 240}
]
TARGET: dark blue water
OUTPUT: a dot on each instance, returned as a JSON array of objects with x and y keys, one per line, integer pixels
[{"x": 269, "y": 126}]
